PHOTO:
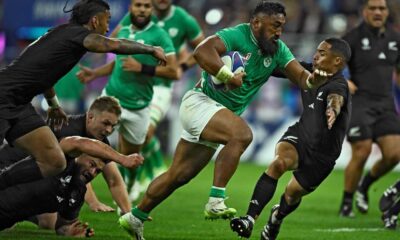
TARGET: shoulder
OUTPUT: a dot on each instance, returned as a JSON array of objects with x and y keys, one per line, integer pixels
[
  {"x": 353, "y": 34},
  {"x": 241, "y": 29}
]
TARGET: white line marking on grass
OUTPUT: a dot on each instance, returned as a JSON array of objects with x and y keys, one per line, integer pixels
[{"x": 334, "y": 230}]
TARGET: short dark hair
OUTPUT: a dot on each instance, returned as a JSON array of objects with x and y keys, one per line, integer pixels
[
  {"x": 83, "y": 10},
  {"x": 269, "y": 8},
  {"x": 340, "y": 47},
  {"x": 106, "y": 104}
]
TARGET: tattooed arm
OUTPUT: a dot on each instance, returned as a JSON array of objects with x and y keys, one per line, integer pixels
[
  {"x": 334, "y": 104},
  {"x": 98, "y": 43}
]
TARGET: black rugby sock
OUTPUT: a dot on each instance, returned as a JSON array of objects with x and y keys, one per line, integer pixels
[
  {"x": 23, "y": 171},
  {"x": 395, "y": 209},
  {"x": 366, "y": 182},
  {"x": 285, "y": 209},
  {"x": 262, "y": 194},
  {"x": 347, "y": 198}
]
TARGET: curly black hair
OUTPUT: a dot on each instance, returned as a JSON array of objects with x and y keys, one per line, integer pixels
[
  {"x": 83, "y": 10},
  {"x": 269, "y": 8}
]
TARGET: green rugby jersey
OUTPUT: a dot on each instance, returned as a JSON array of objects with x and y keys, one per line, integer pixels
[
  {"x": 180, "y": 26},
  {"x": 258, "y": 67},
  {"x": 135, "y": 90}
]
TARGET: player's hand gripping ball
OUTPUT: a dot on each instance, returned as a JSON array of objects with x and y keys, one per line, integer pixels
[{"x": 234, "y": 61}]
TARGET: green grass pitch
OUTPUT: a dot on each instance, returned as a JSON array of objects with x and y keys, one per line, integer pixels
[{"x": 181, "y": 215}]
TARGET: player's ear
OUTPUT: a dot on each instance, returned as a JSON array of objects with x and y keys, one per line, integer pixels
[
  {"x": 256, "y": 23},
  {"x": 94, "y": 22}
]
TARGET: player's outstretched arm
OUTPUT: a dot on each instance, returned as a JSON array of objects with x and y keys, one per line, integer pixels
[
  {"x": 303, "y": 78},
  {"x": 333, "y": 107},
  {"x": 98, "y": 43},
  {"x": 117, "y": 187},
  {"x": 75, "y": 145}
]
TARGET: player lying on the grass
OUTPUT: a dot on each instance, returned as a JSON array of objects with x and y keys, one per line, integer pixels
[
  {"x": 63, "y": 193},
  {"x": 40, "y": 66},
  {"x": 309, "y": 148},
  {"x": 97, "y": 123},
  {"x": 389, "y": 204}
]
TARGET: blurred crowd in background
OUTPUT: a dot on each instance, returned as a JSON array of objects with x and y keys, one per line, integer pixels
[{"x": 308, "y": 22}]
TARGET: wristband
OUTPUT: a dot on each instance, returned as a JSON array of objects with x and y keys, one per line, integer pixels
[
  {"x": 53, "y": 102},
  {"x": 309, "y": 85},
  {"x": 184, "y": 66},
  {"x": 148, "y": 70},
  {"x": 224, "y": 74}
]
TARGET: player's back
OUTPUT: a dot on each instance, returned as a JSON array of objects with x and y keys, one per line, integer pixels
[{"x": 42, "y": 63}]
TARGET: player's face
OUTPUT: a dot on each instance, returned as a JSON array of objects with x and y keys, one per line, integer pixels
[
  {"x": 89, "y": 167},
  {"x": 101, "y": 124},
  {"x": 268, "y": 33},
  {"x": 376, "y": 13},
  {"x": 162, "y": 5},
  {"x": 141, "y": 12},
  {"x": 324, "y": 59},
  {"x": 101, "y": 22}
]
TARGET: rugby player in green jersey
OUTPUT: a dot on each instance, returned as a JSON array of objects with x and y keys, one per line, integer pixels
[
  {"x": 183, "y": 30},
  {"x": 211, "y": 117}
]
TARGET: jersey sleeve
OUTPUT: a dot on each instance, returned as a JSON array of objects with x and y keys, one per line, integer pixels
[
  {"x": 339, "y": 88},
  {"x": 79, "y": 34},
  {"x": 193, "y": 28},
  {"x": 284, "y": 55},
  {"x": 231, "y": 37},
  {"x": 126, "y": 20}
]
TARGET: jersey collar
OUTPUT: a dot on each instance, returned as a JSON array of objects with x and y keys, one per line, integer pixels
[
  {"x": 141, "y": 30},
  {"x": 169, "y": 15}
]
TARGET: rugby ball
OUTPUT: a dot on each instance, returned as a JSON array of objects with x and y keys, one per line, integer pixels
[{"x": 234, "y": 61}]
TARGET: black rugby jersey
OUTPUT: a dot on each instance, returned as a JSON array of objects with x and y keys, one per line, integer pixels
[
  {"x": 40, "y": 66},
  {"x": 373, "y": 60},
  {"x": 313, "y": 121}
]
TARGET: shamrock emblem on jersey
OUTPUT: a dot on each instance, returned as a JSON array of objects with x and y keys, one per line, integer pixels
[
  {"x": 267, "y": 61},
  {"x": 173, "y": 32}
]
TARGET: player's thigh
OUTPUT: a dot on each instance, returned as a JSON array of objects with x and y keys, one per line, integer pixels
[
  {"x": 390, "y": 147},
  {"x": 388, "y": 124},
  {"x": 313, "y": 170},
  {"x": 288, "y": 154},
  {"x": 361, "y": 122},
  {"x": 160, "y": 104},
  {"x": 195, "y": 112},
  {"x": 224, "y": 126},
  {"x": 43, "y": 145},
  {"x": 205, "y": 119}
]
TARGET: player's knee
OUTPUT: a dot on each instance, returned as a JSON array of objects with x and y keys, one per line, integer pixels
[
  {"x": 361, "y": 152},
  {"x": 243, "y": 136},
  {"x": 278, "y": 167}
]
